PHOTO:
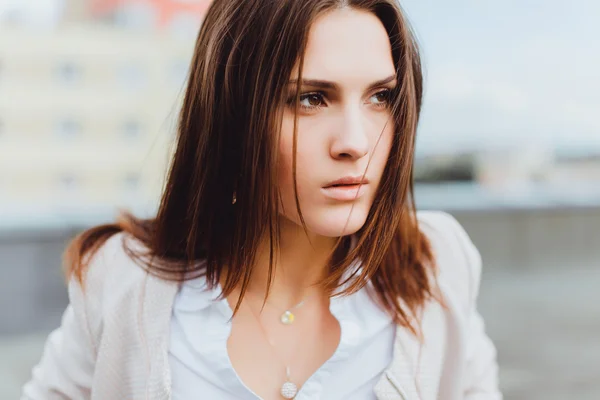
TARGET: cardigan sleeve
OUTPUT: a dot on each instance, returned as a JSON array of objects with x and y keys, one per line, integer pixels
[
  {"x": 481, "y": 369},
  {"x": 66, "y": 368}
]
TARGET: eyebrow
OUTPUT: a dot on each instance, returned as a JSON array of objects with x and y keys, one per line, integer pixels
[{"x": 332, "y": 85}]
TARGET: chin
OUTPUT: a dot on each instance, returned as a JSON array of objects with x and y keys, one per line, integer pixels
[{"x": 331, "y": 222}]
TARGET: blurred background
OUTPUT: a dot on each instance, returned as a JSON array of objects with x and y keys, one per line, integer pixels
[{"x": 509, "y": 143}]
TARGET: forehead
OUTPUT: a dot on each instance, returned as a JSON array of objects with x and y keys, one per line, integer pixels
[{"x": 348, "y": 45}]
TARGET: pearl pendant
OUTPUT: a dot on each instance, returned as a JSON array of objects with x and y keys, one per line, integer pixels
[
  {"x": 289, "y": 390},
  {"x": 287, "y": 318}
]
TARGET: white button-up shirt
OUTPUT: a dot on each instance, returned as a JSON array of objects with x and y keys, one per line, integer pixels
[{"x": 200, "y": 364}]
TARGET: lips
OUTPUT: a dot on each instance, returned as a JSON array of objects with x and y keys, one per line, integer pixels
[
  {"x": 346, "y": 189},
  {"x": 348, "y": 181}
]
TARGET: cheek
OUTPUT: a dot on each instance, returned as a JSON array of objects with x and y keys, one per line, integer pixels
[{"x": 382, "y": 152}]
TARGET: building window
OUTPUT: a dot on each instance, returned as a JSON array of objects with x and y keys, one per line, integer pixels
[
  {"x": 68, "y": 72},
  {"x": 131, "y": 129},
  {"x": 68, "y": 128},
  {"x": 68, "y": 181},
  {"x": 132, "y": 76},
  {"x": 131, "y": 181}
]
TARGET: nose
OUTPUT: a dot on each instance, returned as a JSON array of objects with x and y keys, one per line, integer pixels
[{"x": 352, "y": 139}]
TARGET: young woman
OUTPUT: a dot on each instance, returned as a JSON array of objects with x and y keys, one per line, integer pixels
[{"x": 286, "y": 259}]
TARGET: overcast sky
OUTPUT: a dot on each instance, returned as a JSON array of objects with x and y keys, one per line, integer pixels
[{"x": 510, "y": 71}]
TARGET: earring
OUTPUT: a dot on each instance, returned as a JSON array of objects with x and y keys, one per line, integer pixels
[{"x": 234, "y": 199}]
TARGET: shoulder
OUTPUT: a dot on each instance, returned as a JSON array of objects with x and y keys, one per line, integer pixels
[
  {"x": 112, "y": 264},
  {"x": 110, "y": 277},
  {"x": 457, "y": 259}
]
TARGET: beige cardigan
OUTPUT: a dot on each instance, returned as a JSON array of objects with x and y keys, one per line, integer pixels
[{"x": 113, "y": 340}]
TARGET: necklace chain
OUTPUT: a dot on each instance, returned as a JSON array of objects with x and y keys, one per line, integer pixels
[
  {"x": 287, "y": 317},
  {"x": 288, "y": 389}
]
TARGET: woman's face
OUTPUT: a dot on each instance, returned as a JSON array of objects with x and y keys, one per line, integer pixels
[{"x": 344, "y": 123}]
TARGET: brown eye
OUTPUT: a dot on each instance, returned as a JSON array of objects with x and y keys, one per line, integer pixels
[
  {"x": 311, "y": 100},
  {"x": 382, "y": 97}
]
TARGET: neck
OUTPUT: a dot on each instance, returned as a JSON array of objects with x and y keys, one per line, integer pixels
[{"x": 301, "y": 261}]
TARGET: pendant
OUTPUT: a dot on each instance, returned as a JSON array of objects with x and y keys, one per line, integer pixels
[
  {"x": 287, "y": 318},
  {"x": 289, "y": 390}
]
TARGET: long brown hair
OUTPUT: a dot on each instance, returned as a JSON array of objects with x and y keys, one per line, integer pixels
[{"x": 228, "y": 129}]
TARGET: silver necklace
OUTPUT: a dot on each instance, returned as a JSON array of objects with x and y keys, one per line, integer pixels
[
  {"x": 288, "y": 389},
  {"x": 287, "y": 317}
]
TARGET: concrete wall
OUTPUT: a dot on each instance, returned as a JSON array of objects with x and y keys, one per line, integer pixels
[
  {"x": 32, "y": 290},
  {"x": 535, "y": 239}
]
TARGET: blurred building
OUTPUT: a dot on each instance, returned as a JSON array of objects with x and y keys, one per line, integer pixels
[
  {"x": 573, "y": 166},
  {"x": 37, "y": 14},
  {"x": 511, "y": 166},
  {"x": 87, "y": 111},
  {"x": 177, "y": 16},
  {"x": 514, "y": 166},
  {"x": 539, "y": 165}
]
